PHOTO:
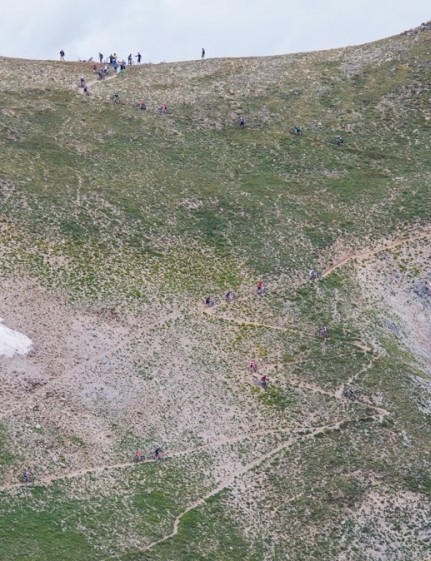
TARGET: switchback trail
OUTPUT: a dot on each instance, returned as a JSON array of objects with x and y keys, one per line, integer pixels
[
  {"x": 352, "y": 256},
  {"x": 224, "y": 483}
]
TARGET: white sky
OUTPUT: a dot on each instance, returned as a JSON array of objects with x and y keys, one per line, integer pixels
[{"x": 177, "y": 29}]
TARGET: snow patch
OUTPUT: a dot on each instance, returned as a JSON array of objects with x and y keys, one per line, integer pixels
[{"x": 13, "y": 342}]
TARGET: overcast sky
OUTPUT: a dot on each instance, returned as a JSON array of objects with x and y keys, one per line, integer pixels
[{"x": 177, "y": 29}]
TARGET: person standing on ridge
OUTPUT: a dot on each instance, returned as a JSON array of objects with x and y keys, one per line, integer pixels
[
  {"x": 62, "y": 54},
  {"x": 203, "y": 54},
  {"x": 100, "y": 57},
  {"x": 139, "y": 57}
]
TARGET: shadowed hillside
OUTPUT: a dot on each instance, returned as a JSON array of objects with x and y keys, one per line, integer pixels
[{"x": 117, "y": 223}]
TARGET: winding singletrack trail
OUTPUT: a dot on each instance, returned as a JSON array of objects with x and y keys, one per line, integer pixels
[
  {"x": 352, "y": 256},
  {"x": 224, "y": 483},
  {"x": 366, "y": 253}
]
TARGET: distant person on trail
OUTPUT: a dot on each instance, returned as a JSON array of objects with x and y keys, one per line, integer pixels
[
  {"x": 253, "y": 366},
  {"x": 122, "y": 69},
  {"x": 142, "y": 104},
  {"x": 100, "y": 57},
  {"x": 158, "y": 454},
  {"x": 263, "y": 381},
  {"x": 82, "y": 81},
  {"x": 129, "y": 59},
  {"x": 139, "y": 57},
  {"x": 139, "y": 457},
  {"x": 203, "y": 54},
  {"x": 26, "y": 476},
  {"x": 340, "y": 141},
  {"x": 62, "y": 54},
  {"x": 241, "y": 122},
  {"x": 229, "y": 295},
  {"x": 86, "y": 91}
]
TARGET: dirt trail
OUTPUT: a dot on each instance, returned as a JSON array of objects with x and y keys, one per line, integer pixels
[
  {"x": 360, "y": 255},
  {"x": 224, "y": 483},
  {"x": 244, "y": 322}
]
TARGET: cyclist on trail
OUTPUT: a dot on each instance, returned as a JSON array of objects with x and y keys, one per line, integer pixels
[
  {"x": 139, "y": 457},
  {"x": 263, "y": 380},
  {"x": 26, "y": 476},
  {"x": 158, "y": 454}
]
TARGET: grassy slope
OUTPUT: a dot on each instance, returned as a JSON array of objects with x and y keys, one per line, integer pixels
[{"x": 136, "y": 202}]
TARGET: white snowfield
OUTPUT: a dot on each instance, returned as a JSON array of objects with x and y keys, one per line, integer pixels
[{"x": 13, "y": 342}]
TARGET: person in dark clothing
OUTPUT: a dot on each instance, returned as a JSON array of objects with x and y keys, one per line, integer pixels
[
  {"x": 203, "y": 54},
  {"x": 62, "y": 54},
  {"x": 139, "y": 57}
]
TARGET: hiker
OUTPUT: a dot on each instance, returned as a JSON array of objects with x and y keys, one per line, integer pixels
[
  {"x": 115, "y": 66},
  {"x": 203, "y": 54},
  {"x": 122, "y": 69},
  {"x": 340, "y": 141},
  {"x": 142, "y": 105},
  {"x": 82, "y": 81},
  {"x": 260, "y": 287},
  {"x": 86, "y": 91},
  {"x": 100, "y": 57},
  {"x": 241, "y": 122},
  {"x": 139, "y": 57},
  {"x": 62, "y": 54},
  {"x": 129, "y": 59},
  {"x": 208, "y": 301},
  {"x": 253, "y": 366}
]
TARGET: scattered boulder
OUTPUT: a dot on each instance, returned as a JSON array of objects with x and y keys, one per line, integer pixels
[{"x": 421, "y": 288}]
